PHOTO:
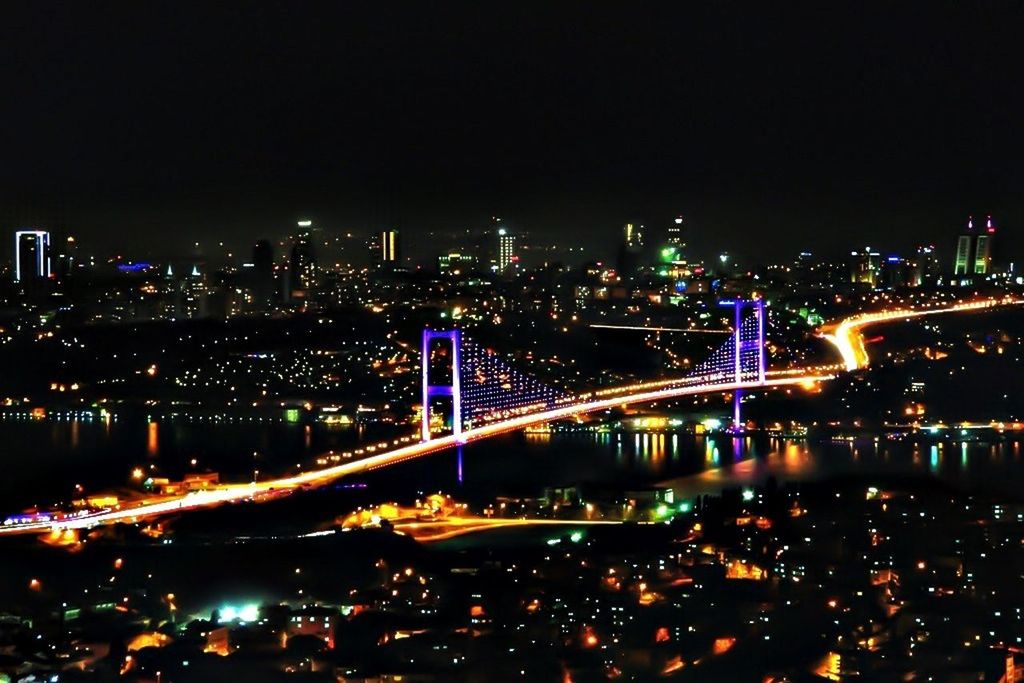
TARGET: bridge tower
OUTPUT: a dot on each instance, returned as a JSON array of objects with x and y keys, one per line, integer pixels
[
  {"x": 748, "y": 348},
  {"x": 452, "y": 388}
]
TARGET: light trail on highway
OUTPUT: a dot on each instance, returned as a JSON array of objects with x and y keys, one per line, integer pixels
[
  {"x": 847, "y": 338},
  {"x": 443, "y": 530}
]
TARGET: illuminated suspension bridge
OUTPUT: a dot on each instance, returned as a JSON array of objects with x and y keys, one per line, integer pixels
[
  {"x": 488, "y": 397},
  {"x": 483, "y": 388}
]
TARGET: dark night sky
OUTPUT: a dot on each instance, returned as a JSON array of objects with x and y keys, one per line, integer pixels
[{"x": 819, "y": 125}]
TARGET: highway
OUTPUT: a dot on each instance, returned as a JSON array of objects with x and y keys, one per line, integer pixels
[
  {"x": 453, "y": 527},
  {"x": 846, "y": 335}
]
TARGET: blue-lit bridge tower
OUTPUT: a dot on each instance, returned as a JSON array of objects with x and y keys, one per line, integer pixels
[
  {"x": 748, "y": 349},
  {"x": 452, "y": 388}
]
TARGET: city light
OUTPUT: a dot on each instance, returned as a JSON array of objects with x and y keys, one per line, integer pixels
[{"x": 582, "y": 372}]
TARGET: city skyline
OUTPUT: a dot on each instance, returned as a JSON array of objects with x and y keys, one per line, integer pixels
[
  {"x": 832, "y": 119},
  {"x": 487, "y": 342}
]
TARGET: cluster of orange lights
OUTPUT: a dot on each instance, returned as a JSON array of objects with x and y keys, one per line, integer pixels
[{"x": 741, "y": 569}]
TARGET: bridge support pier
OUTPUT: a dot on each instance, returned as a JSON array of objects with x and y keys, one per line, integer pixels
[{"x": 737, "y": 416}]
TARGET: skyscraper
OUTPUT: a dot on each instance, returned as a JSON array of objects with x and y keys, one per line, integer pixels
[
  {"x": 264, "y": 288},
  {"x": 974, "y": 250},
  {"x": 675, "y": 233},
  {"x": 385, "y": 248},
  {"x": 32, "y": 255},
  {"x": 302, "y": 269},
  {"x": 927, "y": 269},
  {"x": 506, "y": 251},
  {"x": 672, "y": 251},
  {"x": 865, "y": 267},
  {"x": 630, "y": 250},
  {"x": 634, "y": 236},
  {"x": 983, "y": 249}
]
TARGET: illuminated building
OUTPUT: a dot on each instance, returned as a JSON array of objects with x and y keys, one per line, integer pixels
[
  {"x": 66, "y": 257},
  {"x": 675, "y": 235},
  {"x": 631, "y": 249},
  {"x": 895, "y": 272},
  {"x": 302, "y": 270},
  {"x": 927, "y": 268},
  {"x": 634, "y": 236},
  {"x": 865, "y": 267},
  {"x": 192, "y": 294},
  {"x": 983, "y": 249},
  {"x": 974, "y": 250},
  {"x": 385, "y": 249},
  {"x": 671, "y": 258},
  {"x": 506, "y": 251},
  {"x": 32, "y": 255},
  {"x": 455, "y": 263},
  {"x": 318, "y": 622}
]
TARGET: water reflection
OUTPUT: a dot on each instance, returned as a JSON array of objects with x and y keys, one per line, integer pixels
[
  {"x": 152, "y": 439},
  {"x": 101, "y": 453}
]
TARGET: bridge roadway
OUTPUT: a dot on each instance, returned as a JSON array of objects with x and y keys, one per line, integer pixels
[
  {"x": 845, "y": 335},
  {"x": 847, "y": 338},
  {"x": 154, "y": 507}
]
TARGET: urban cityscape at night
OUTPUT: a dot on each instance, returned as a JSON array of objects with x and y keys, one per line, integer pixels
[{"x": 572, "y": 342}]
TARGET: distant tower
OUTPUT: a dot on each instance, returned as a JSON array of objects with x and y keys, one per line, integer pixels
[
  {"x": 964, "y": 247},
  {"x": 927, "y": 268},
  {"x": 386, "y": 253},
  {"x": 983, "y": 249},
  {"x": 193, "y": 294},
  {"x": 672, "y": 251},
  {"x": 630, "y": 250},
  {"x": 264, "y": 290},
  {"x": 634, "y": 237},
  {"x": 675, "y": 234},
  {"x": 865, "y": 267},
  {"x": 506, "y": 251},
  {"x": 32, "y": 255},
  {"x": 302, "y": 264},
  {"x": 974, "y": 250},
  {"x": 65, "y": 258}
]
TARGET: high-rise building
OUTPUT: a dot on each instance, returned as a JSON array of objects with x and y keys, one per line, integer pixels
[
  {"x": 675, "y": 233},
  {"x": 866, "y": 267},
  {"x": 506, "y": 251},
  {"x": 264, "y": 287},
  {"x": 193, "y": 291},
  {"x": 927, "y": 268},
  {"x": 983, "y": 249},
  {"x": 631, "y": 250},
  {"x": 456, "y": 263},
  {"x": 633, "y": 234},
  {"x": 302, "y": 270},
  {"x": 974, "y": 250},
  {"x": 385, "y": 249},
  {"x": 32, "y": 255},
  {"x": 64, "y": 257}
]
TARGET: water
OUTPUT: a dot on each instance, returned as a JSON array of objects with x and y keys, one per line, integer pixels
[
  {"x": 45, "y": 459},
  {"x": 523, "y": 464},
  {"x": 249, "y": 552}
]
